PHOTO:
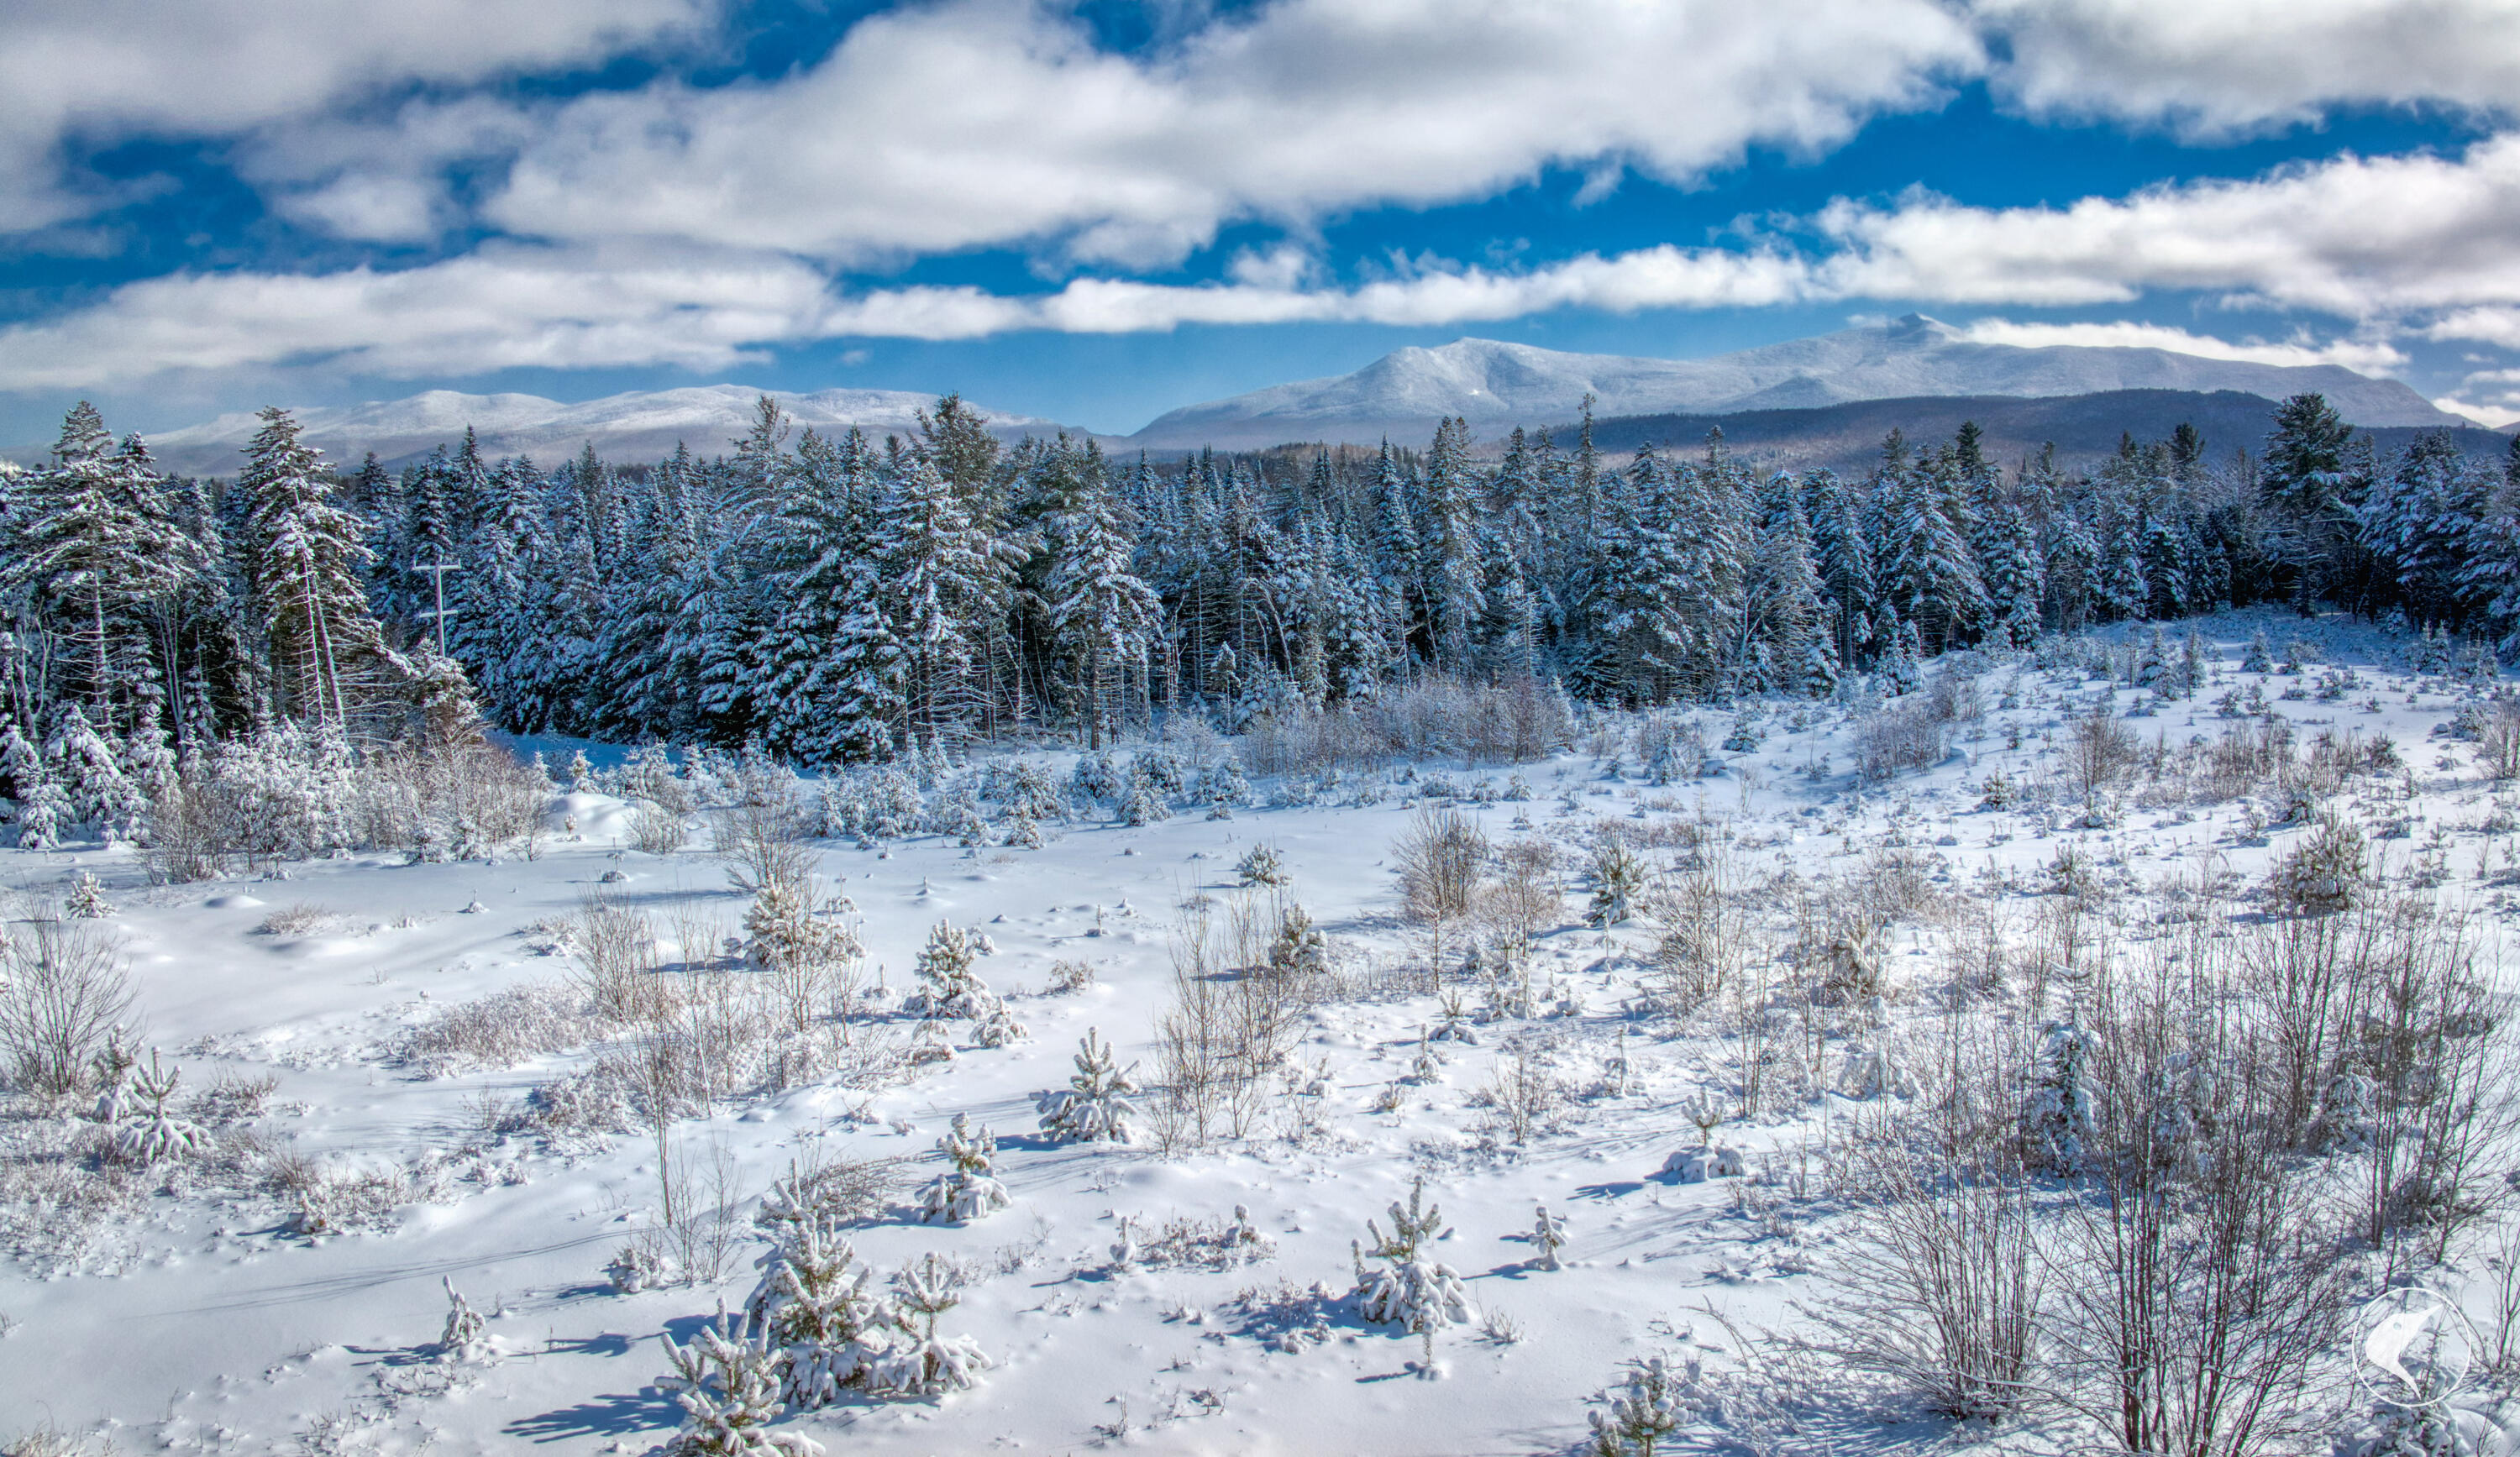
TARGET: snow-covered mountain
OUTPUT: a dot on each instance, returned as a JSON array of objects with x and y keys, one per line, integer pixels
[
  {"x": 1496, "y": 385},
  {"x": 637, "y": 426}
]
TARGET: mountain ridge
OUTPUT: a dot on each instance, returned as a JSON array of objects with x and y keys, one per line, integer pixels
[{"x": 1495, "y": 385}]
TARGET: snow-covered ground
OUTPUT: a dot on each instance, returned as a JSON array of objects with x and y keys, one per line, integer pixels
[{"x": 190, "y": 1313}]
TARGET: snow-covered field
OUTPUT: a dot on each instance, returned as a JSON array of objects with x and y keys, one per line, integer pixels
[{"x": 196, "y": 1304}]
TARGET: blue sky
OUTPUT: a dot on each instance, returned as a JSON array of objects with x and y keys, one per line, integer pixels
[{"x": 1096, "y": 213}]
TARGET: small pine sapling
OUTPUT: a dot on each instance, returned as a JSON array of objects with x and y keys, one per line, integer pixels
[
  {"x": 969, "y": 1189},
  {"x": 949, "y": 987},
  {"x": 1428, "y": 1064},
  {"x": 2260, "y": 658},
  {"x": 1144, "y": 805},
  {"x": 930, "y": 1043},
  {"x": 1094, "y": 1106},
  {"x": 928, "y": 1363},
  {"x": 2059, "y": 1120},
  {"x": 728, "y": 1386},
  {"x": 1124, "y": 1250},
  {"x": 1659, "y": 1401},
  {"x": 581, "y": 774},
  {"x": 110, "y": 1071},
  {"x": 154, "y": 1135},
  {"x": 830, "y": 1325},
  {"x": 1548, "y": 1236},
  {"x": 464, "y": 1338},
  {"x": 1412, "y": 1288},
  {"x": 86, "y": 901},
  {"x": 1618, "y": 880},
  {"x": 1262, "y": 865},
  {"x": 1300, "y": 946}
]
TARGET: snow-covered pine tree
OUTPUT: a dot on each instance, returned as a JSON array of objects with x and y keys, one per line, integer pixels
[
  {"x": 927, "y": 1362},
  {"x": 727, "y": 1385},
  {"x": 1101, "y": 615},
  {"x": 1094, "y": 1106},
  {"x": 305, "y": 560},
  {"x": 968, "y": 1189},
  {"x": 1410, "y": 1288}
]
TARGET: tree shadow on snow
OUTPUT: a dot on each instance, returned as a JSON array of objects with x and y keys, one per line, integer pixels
[
  {"x": 1612, "y": 1189},
  {"x": 648, "y": 1409}
]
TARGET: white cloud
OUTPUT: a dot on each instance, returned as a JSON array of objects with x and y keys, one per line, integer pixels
[
  {"x": 2490, "y": 397},
  {"x": 2209, "y": 67},
  {"x": 2487, "y": 326},
  {"x": 108, "y": 68},
  {"x": 502, "y": 307},
  {"x": 990, "y": 123},
  {"x": 2355, "y": 236},
  {"x": 2364, "y": 356}
]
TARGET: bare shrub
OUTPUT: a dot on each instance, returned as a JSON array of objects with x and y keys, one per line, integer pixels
[
  {"x": 763, "y": 842},
  {"x": 1223, "y": 1034},
  {"x": 2100, "y": 750},
  {"x": 616, "y": 964},
  {"x": 1706, "y": 941},
  {"x": 2497, "y": 746},
  {"x": 1526, "y": 899},
  {"x": 1908, "y": 734},
  {"x": 1521, "y": 1095},
  {"x": 63, "y": 992},
  {"x": 2200, "y": 1271},
  {"x": 1512, "y": 721},
  {"x": 507, "y": 1027},
  {"x": 1441, "y": 857},
  {"x": 657, "y": 830},
  {"x": 302, "y": 918},
  {"x": 1944, "y": 1283}
]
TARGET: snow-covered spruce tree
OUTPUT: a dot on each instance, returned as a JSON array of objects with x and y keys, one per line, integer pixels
[
  {"x": 305, "y": 559},
  {"x": 1299, "y": 946},
  {"x": 1094, "y": 1106},
  {"x": 824, "y": 1316},
  {"x": 1411, "y": 1287},
  {"x": 95, "y": 559},
  {"x": 90, "y": 769},
  {"x": 1101, "y": 615},
  {"x": 727, "y": 1385},
  {"x": 2059, "y": 1120},
  {"x": 968, "y": 1189}
]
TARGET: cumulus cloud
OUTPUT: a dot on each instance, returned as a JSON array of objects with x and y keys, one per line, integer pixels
[
  {"x": 990, "y": 123},
  {"x": 103, "y": 70},
  {"x": 2220, "y": 66},
  {"x": 2355, "y": 236},
  {"x": 503, "y": 307},
  {"x": 2486, "y": 326}
]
